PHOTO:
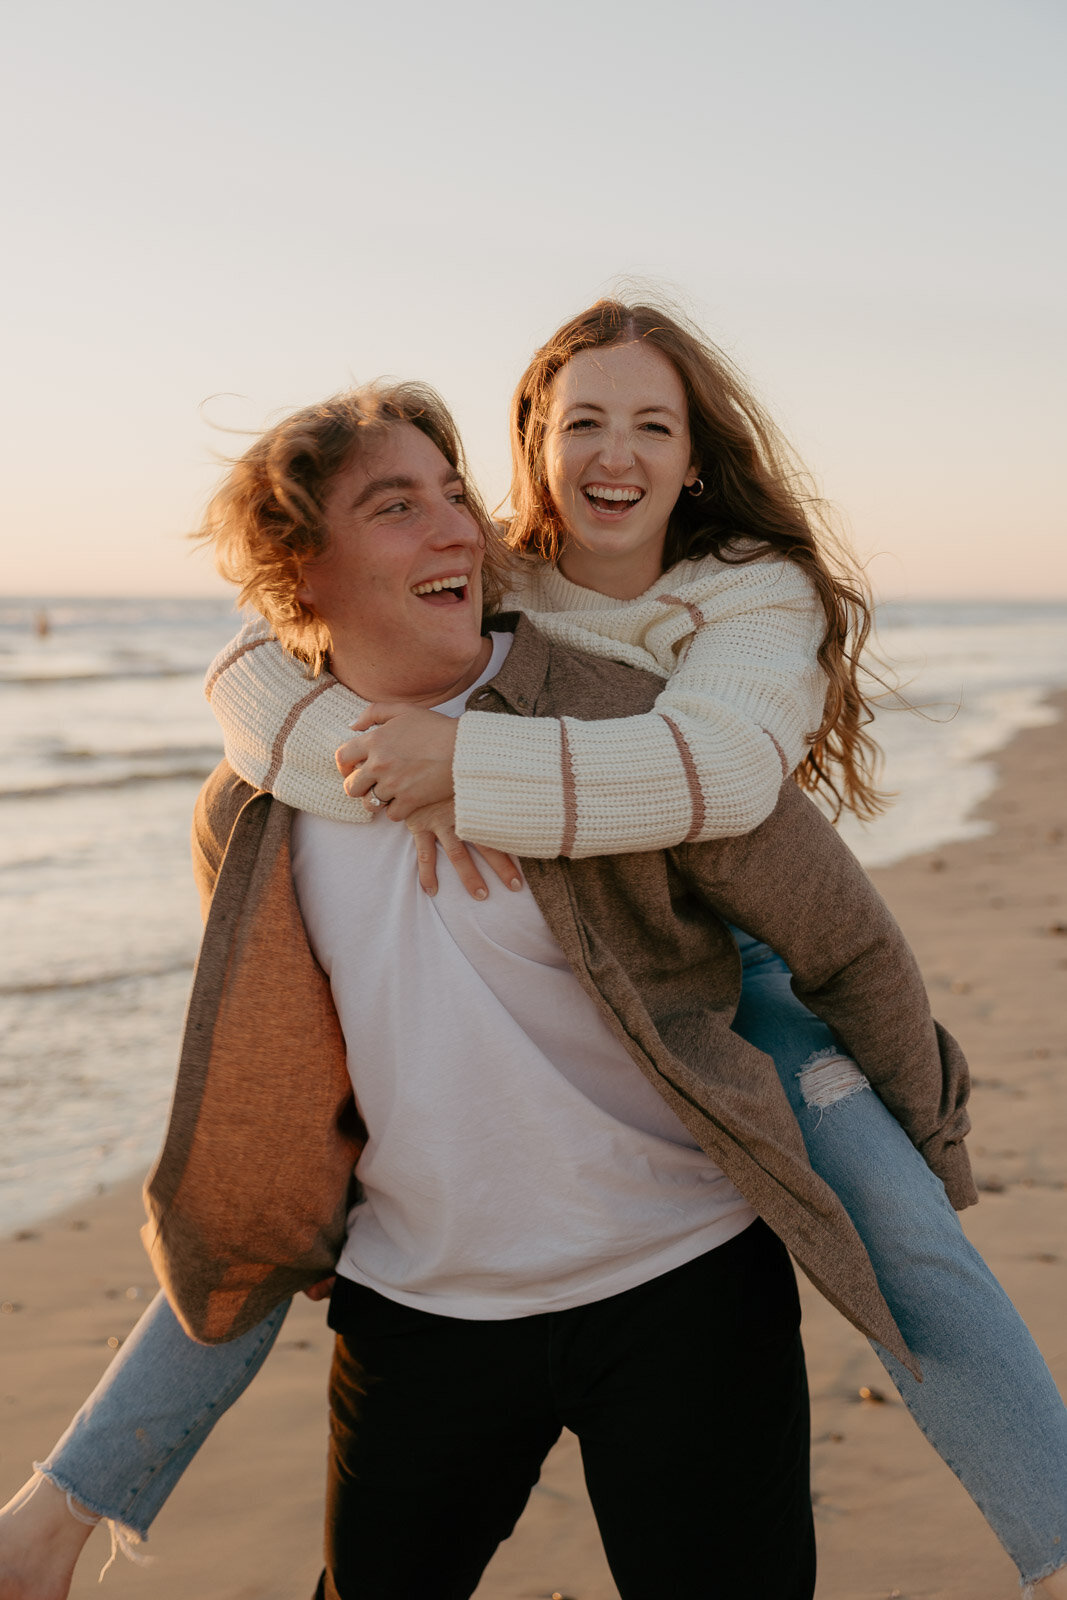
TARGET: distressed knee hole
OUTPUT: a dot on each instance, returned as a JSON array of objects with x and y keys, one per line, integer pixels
[{"x": 830, "y": 1078}]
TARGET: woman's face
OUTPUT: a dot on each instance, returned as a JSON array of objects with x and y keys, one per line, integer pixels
[{"x": 617, "y": 456}]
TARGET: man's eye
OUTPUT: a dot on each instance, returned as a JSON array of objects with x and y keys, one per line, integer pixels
[{"x": 394, "y": 505}]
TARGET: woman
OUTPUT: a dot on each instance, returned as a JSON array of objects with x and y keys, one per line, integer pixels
[{"x": 650, "y": 478}]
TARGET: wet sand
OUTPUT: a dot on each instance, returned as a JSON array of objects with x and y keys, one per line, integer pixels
[{"x": 988, "y": 920}]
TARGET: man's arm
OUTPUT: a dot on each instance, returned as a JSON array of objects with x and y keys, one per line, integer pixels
[{"x": 793, "y": 883}]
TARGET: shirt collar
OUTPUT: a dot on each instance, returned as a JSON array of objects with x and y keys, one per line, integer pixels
[{"x": 517, "y": 686}]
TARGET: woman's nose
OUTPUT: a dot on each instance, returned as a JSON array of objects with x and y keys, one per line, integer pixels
[{"x": 616, "y": 452}]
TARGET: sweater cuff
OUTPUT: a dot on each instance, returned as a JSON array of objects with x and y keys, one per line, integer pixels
[{"x": 509, "y": 784}]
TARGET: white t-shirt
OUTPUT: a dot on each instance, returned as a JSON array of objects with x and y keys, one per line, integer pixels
[{"x": 517, "y": 1160}]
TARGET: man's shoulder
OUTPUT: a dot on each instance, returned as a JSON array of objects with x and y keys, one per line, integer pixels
[
  {"x": 218, "y": 805},
  {"x": 222, "y": 796},
  {"x": 234, "y": 821},
  {"x": 547, "y": 678}
]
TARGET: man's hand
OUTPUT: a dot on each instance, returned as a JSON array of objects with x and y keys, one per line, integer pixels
[
  {"x": 436, "y": 824},
  {"x": 404, "y": 753}
]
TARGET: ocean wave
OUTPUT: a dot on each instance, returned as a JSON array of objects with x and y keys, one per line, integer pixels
[
  {"x": 125, "y": 780},
  {"x": 35, "y": 678},
  {"x": 174, "y": 752},
  {"x": 21, "y": 612},
  {"x": 29, "y": 863},
  {"x": 93, "y": 980}
]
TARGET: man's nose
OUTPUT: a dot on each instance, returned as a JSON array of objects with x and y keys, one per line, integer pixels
[{"x": 454, "y": 525}]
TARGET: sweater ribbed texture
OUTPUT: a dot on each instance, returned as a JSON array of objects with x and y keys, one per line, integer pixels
[{"x": 281, "y": 725}]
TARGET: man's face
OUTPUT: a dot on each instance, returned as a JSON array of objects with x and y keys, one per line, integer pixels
[{"x": 398, "y": 523}]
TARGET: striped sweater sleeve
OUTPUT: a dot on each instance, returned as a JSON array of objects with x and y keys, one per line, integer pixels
[{"x": 706, "y": 762}]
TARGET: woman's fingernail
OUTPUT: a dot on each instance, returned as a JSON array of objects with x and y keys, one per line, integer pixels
[
  {"x": 516, "y": 883},
  {"x": 481, "y": 894}
]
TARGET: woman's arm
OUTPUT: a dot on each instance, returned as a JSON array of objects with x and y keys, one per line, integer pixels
[
  {"x": 736, "y": 645},
  {"x": 735, "y": 717}
]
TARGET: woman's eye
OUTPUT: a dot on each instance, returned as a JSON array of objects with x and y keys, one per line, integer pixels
[
  {"x": 658, "y": 427},
  {"x": 458, "y": 497},
  {"x": 580, "y": 425}
]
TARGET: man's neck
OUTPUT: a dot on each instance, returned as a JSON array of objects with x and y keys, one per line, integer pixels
[{"x": 426, "y": 684}]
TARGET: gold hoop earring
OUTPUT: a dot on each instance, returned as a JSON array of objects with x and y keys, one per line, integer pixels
[{"x": 696, "y": 489}]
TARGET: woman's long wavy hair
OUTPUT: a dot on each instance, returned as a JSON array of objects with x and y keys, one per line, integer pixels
[
  {"x": 266, "y": 519},
  {"x": 754, "y": 489}
]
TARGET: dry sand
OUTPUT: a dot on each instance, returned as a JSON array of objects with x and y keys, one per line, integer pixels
[{"x": 988, "y": 919}]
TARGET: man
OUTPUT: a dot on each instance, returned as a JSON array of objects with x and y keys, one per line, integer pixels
[{"x": 561, "y": 1145}]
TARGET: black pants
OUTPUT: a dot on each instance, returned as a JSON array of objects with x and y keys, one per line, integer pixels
[{"x": 688, "y": 1396}]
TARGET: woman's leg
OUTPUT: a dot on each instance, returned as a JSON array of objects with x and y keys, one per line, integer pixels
[
  {"x": 131, "y": 1441},
  {"x": 40, "y": 1542},
  {"x": 987, "y": 1402}
]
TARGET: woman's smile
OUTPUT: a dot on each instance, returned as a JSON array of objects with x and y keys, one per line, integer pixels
[{"x": 611, "y": 502}]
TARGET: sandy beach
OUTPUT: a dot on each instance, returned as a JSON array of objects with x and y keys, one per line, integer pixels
[{"x": 988, "y": 920}]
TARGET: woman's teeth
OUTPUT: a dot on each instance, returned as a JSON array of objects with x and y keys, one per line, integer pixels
[
  {"x": 435, "y": 585},
  {"x": 596, "y": 493}
]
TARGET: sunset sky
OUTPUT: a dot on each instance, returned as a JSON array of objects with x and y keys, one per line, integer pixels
[{"x": 217, "y": 211}]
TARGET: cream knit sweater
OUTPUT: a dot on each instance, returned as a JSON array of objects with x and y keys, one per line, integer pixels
[{"x": 743, "y": 692}]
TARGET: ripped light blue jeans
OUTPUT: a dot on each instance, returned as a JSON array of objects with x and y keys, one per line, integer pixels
[{"x": 987, "y": 1402}]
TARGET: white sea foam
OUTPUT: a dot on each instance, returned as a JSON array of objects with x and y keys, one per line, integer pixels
[
  {"x": 976, "y": 675},
  {"x": 106, "y": 738}
]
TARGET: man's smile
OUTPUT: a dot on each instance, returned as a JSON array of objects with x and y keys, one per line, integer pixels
[{"x": 445, "y": 591}]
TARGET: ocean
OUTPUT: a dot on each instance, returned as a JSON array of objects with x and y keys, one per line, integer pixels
[{"x": 106, "y": 738}]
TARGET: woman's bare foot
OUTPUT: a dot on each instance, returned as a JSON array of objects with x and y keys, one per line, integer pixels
[{"x": 40, "y": 1543}]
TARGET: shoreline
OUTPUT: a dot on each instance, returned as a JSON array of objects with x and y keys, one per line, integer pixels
[{"x": 987, "y": 917}]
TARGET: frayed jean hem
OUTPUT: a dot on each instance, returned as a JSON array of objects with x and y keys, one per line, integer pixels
[
  {"x": 1029, "y": 1585},
  {"x": 125, "y": 1540}
]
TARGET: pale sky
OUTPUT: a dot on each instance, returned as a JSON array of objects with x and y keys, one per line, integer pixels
[{"x": 267, "y": 201}]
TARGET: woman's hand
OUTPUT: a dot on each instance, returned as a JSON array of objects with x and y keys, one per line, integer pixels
[
  {"x": 436, "y": 824},
  {"x": 404, "y": 754}
]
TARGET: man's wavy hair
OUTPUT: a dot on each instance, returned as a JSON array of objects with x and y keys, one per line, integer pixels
[
  {"x": 753, "y": 489},
  {"x": 266, "y": 519}
]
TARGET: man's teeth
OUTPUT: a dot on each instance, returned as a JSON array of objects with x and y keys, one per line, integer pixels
[
  {"x": 614, "y": 494},
  {"x": 437, "y": 584}
]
